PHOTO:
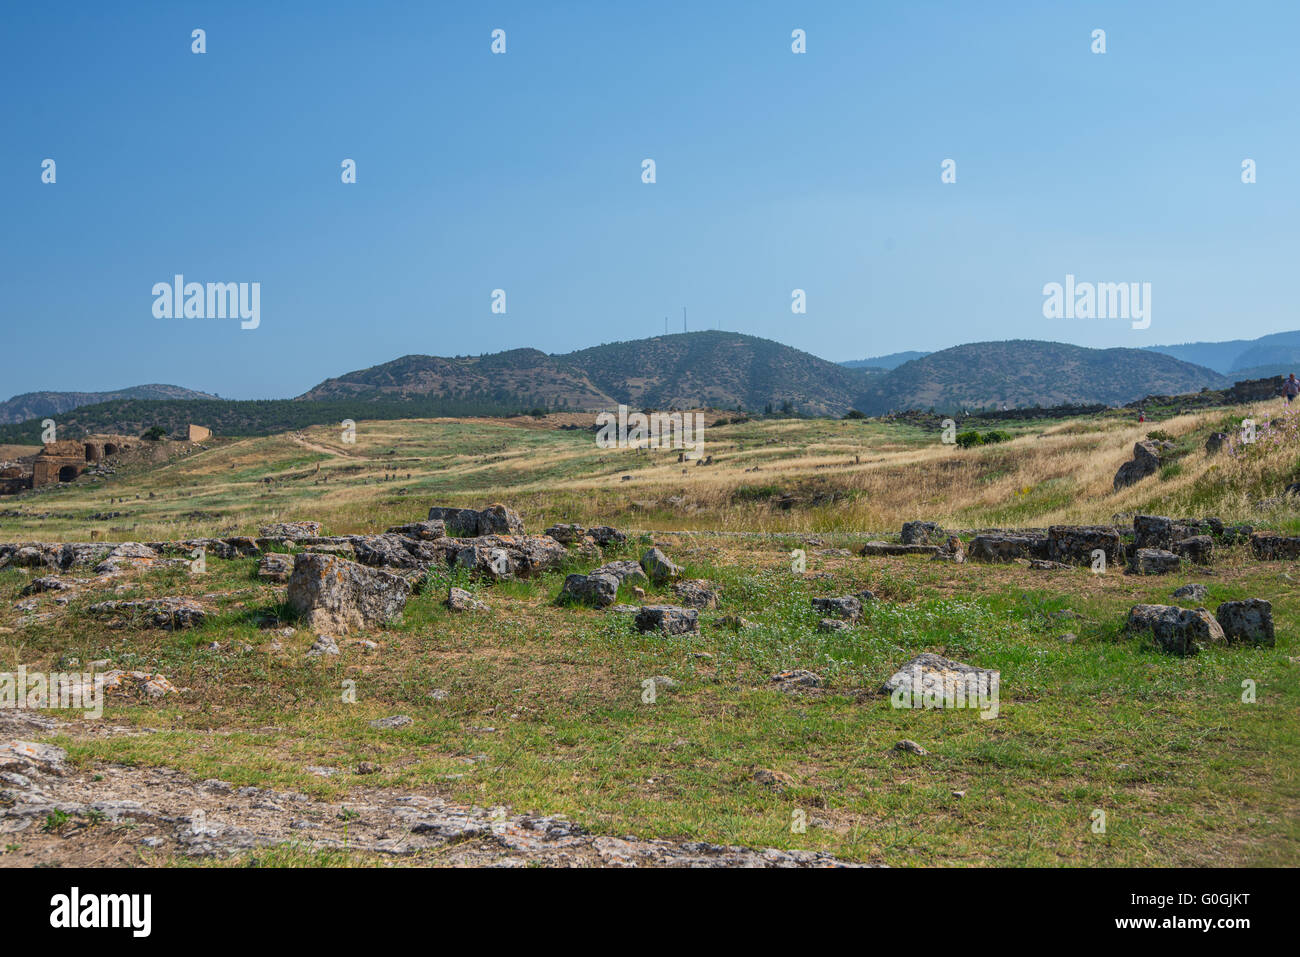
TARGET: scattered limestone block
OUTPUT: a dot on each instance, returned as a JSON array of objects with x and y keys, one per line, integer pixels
[
  {"x": 169, "y": 613},
  {"x": 1250, "y": 620},
  {"x": 623, "y": 571},
  {"x": 922, "y": 533},
  {"x": 147, "y": 683},
  {"x": 392, "y": 723},
  {"x": 1154, "y": 561},
  {"x": 668, "y": 619},
  {"x": 696, "y": 593},
  {"x": 1152, "y": 531},
  {"x": 566, "y": 534},
  {"x": 890, "y": 548},
  {"x": 126, "y": 556},
  {"x": 1002, "y": 547},
  {"x": 1199, "y": 549},
  {"x": 847, "y": 607},
  {"x": 1178, "y": 631},
  {"x": 1074, "y": 544},
  {"x": 951, "y": 551},
  {"x": 598, "y": 590},
  {"x": 423, "y": 531},
  {"x": 940, "y": 678},
  {"x": 458, "y": 599},
  {"x": 658, "y": 567},
  {"x": 45, "y": 583},
  {"x": 457, "y": 521},
  {"x": 497, "y": 557},
  {"x": 323, "y": 645},
  {"x": 499, "y": 520},
  {"x": 796, "y": 680},
  {"x": 275, "y": 567},
  {"x": 334, "y": 594},
  {"x": 290, "y": 530},
  {"x": 604, "y": 536},
  {"x": 393, "y": 551},
  {"x": 493, "y": 520},
  {"x": 1145, "y": 461},
  {"x": 21, "y": 755},
  {"x": 1271, "y": 546}
]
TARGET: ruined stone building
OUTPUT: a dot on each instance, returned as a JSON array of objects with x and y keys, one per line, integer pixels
[{"x": 61, "y": 461}]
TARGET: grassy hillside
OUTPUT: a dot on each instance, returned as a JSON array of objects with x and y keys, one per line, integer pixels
[
  {"x": 834, "y": 476},
  {"x": 540, "y": 705}
]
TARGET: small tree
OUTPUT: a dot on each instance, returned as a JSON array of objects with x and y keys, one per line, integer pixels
[{"x": 154, "y": 433}]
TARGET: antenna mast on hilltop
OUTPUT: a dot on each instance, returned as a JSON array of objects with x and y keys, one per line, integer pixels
[{"x": 683, "y": 318}]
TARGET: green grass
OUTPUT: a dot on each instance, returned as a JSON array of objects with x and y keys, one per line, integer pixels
[{"x": 1186, "y": 772}]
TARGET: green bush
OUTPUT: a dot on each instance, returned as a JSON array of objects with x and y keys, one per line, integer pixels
[{"x": 972, "y": 438}]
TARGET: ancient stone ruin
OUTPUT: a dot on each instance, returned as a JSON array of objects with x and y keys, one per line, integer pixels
[{"x": 62, "y": 461}]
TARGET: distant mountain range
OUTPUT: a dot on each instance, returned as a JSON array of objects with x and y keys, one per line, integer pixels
[
  {"x": 1024, "y": 372},
  {"x": 1276, "y": 354},
  {"x": 723, "y": 370},
  {"x": 891, "y": 361},
  {"x": 1271, "y": 352},
  {"x": 729, "y": 370},
  {"x": 719, "y": 369},
  {"x": 36, "y": 405}
]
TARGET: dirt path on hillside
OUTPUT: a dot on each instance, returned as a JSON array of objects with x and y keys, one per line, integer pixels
[
  {"x": 52, "y": 813},
  {"x": 299, "y": 439}
]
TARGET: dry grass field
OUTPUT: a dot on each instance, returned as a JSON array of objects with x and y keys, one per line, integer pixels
[
  {"x": 838, "y": 476},
  {"x": 539, "y": 706}
]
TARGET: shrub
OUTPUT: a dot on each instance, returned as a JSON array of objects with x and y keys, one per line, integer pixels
[{"x": 972, "y": 438}]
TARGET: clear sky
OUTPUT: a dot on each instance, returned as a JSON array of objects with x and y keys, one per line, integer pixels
[{"x": 523, "y": 172}]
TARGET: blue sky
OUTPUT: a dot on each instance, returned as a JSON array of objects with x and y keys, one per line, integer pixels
[{"x": 522, "y": 171}]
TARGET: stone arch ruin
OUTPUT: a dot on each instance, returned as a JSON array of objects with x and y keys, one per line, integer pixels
[{"x": 61, "y": 462}]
